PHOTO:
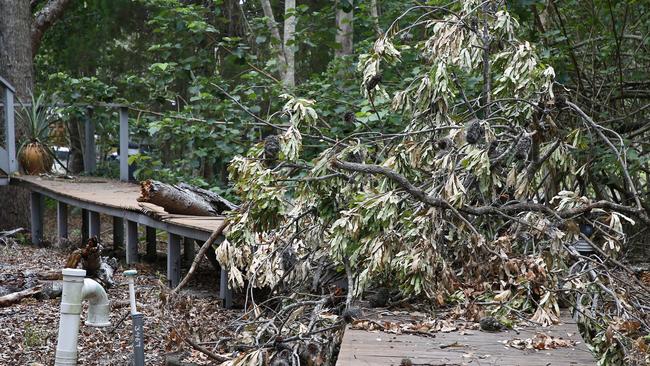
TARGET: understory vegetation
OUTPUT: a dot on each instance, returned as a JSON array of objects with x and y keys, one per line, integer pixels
[{"x": 463, "y": 155}]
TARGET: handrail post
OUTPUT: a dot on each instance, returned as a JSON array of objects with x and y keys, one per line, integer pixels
[
  {"x": 10, "y": 131},
  {"x": 124, "y": 144}
]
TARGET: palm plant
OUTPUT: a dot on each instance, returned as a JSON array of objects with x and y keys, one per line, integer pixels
[{"x": 34, "y": 153}]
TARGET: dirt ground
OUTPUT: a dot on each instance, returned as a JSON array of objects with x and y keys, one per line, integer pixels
[{"x": 28, "y": 330}]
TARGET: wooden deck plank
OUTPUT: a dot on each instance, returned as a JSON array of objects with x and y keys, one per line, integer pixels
[{"x": 361, "y": 347}]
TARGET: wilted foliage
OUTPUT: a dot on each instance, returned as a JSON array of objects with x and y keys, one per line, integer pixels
[{"x": 473, "y": 201}]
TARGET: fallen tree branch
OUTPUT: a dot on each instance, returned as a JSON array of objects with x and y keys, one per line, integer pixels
[
  {"x": 197, "y": 259},
  {"x": 423, "y": 197},
  {"x": 15, "y": 297},
  {"x": 202, "y": 349}
]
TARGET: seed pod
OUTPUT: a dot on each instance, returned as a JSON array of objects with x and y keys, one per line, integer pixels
[
  {"x": 444, "y": 143},
  {"x": 490, "y": 324},
  {"x": 289, "y": 259},
  {"x": 349, "y": 117},
  {"x": 355, "y": 157},
  {"x": 522, "y": 149},
  {"x": 474, "y": 132},
  {"x": 373, "y": 82},
  {"x": 271, "y": 147}
]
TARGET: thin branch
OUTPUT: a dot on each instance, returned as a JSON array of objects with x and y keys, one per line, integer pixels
[
  {"x": 609, "y": 143},
  {"x": 204, "y": 248}
]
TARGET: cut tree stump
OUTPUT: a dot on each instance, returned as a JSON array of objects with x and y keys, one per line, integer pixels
[{"x": 183, "y": 199}]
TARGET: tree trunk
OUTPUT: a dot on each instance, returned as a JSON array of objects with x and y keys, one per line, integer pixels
[
  {"x": 16, "y": 63},
  {"x": 276, "y": 40},
  {"x": 344, "y": 31},
  {"x": 16, "y": 66},
  {"x": 374, "y": 14},
  {"x": 76, "y": 159},
  {"x": 289, "y": 42}
]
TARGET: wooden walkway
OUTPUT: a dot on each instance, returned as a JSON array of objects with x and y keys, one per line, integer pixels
[
  {"x": 375, "y": 348},
  {"x": 119, "y": 199}
]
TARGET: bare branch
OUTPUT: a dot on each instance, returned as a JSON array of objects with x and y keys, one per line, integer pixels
[{"x": 45, "y": 18}]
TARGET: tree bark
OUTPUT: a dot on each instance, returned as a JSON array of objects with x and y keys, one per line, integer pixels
[
  {"x": 76, "y": 158},
  {"x": 374, "y": 14},
  {"x": 344, "y": 31},
  {"x": 16, "y": 65},
  {"x": 289, "y": 42},
  {"x": 183, "y": 199},
  {"x": 44, "y": 19},
  {"x": 276, "y": 41}
]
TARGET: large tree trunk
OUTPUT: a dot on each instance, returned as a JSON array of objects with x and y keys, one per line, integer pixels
[
  {"x": 16, "y": 66},
  {"x": 289, "y": 42},
  {"x": 344, "y": 31},
  {"x": 16, "y": 63}
]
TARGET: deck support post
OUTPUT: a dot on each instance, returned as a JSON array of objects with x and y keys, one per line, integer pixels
[
  {"x": 173, "y": 260},
  {"x": 84, "y": 226},
  {"x": 189, "y": 250},
  {"x": 124, "y": 144},
  {"x": 118, "y": 232},
  {"x": 36, "y": 205},
  {"x": 61, "y": 221},
  {"x": 131, "y": 242},
  {"x": 94, "y": 229},
  {"x": 225, "y": 293},
  {"x": 151, "y": 244}
]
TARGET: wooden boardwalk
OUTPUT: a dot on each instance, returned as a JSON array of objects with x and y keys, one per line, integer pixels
[
  {"x": 119, "y": 199},
  {"x": 375, "y": 348}
]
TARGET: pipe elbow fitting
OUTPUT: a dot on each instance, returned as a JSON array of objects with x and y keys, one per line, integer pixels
[{"x": 99, "y": 306}]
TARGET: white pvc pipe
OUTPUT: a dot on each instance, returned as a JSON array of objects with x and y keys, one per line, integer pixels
[{"x": 76, "y": 288}]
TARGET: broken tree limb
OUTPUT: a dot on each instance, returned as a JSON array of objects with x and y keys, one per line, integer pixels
[
  {"x": 15, "y": 297},
  {"x": 183, "y": 199},
  {"x": 197, "y": 259}
]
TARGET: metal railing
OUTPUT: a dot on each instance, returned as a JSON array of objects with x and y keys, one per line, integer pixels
[{"x": 8, "y": 161}]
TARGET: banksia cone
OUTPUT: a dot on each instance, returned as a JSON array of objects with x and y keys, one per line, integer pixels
[
  {"x": 271, "y": 147},
  {"x": 474, "y": 132},
  {"x": 349, "y": 117},
  {"x": 523, "y": 147},
  {"x": 373, "y": 82}
]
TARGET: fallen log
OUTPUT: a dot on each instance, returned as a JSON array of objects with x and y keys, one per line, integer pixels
[
  {"x": 15, "y": 297},
  {"x": 183, "y": 199}
]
